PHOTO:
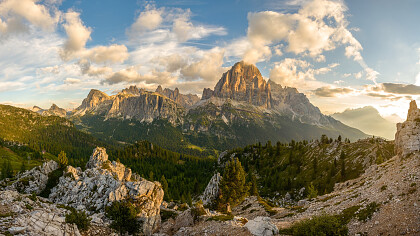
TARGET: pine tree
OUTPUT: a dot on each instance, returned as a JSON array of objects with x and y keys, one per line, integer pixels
[
  {"x": 23, "y": 167},
  {"x": 6, "y": 170},
  {"x": 165, "y": 188},
  {"x": 312, "y": 192},
  {"x": 343, "y": 166},
  {"x": 233, "y": 187},
  {"x": 62, "y": 159}
]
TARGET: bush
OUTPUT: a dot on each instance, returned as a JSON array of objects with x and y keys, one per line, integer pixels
[
  {"x": 367, "y": 212},
  {"x": 79, "y": 218},
  {"x": 320, "y": 225},
  {"x": 53, "y": 179},
  {"x": 124, "y": 217},
  {"x": 221, "y": 218},
  {"x": 166, "y": 215}
]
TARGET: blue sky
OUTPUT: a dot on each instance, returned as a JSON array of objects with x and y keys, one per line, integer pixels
[{"x": 341, "y": 54}]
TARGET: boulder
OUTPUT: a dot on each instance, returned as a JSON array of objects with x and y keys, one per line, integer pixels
[{"x": 262, "y": 226}]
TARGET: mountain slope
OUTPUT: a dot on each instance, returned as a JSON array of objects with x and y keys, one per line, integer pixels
[
  {"x": 368, "y": 120},
  {"x": 49, "y": 133}
]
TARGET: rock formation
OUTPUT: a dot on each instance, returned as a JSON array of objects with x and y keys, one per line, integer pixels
[
  {"x": 243, "y": 82},
  {"x": 102, "y": 183},
  {"x": 34, "y": 180},
  {"x": 29, "y": 217},
  {"x": 212, "y": 189},
  {"x": 407, "y": 138}
]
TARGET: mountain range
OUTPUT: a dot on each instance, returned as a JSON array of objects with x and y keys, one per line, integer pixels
[{"x": 241, "y": 109}]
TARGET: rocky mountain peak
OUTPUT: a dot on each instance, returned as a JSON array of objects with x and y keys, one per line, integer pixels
[
  {"x": 413, "y": 111},
  {"x": 133, "y": 90},
  {"x": 186, "y": 100},
  {"x": 94, "y": 98},
  {"x": 243, "y": 82},
  {"x": 407, "y": 138}
]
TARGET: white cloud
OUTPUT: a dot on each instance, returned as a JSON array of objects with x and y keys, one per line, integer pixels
[
  {"x": 318, "y": 26},
  {"x": 16, "y": 11},
  {"x": 149, "y": 19},
  {"x": 78, "y": 35},
  {"x": 185, "y": 30},
  {"x": 208, "y": 68},
  {"x": 298, "y": 73}
]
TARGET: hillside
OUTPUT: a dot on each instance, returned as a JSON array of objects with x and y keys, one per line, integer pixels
[
  {"x": 49, "y": 133},
  {"x": 288, "y": 167},
  {"x": 368, "y": 120}
]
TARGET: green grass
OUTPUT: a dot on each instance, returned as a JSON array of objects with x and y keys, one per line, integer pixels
[
  {"x": 195, "y": 147},
  {"x": 16, "y": 160}
]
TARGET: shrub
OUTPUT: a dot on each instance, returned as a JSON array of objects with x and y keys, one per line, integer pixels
[
  {"x": 124, "y": 217},
  {"x": 53, "y": 179},
  {"x": 320, "y": 225},
  {"x": 367, "y": 212},
  {"x": 78, "y": 218},
  {"x": 165, "y": 215}
]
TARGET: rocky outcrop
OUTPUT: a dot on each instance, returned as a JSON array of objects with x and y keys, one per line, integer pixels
[
  {"x": 34, "y": 180},
  {"x": 243, "y": 82},
  {"x": 185, "y": 100},
  {"x": 212, "y": 189},
  {"x": 102, "y": 183},
  {"x": 22, "y": 215},
  {"x": 407, "y": 138}
]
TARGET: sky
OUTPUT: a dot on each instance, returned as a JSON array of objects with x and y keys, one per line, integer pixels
[{"x": 341, "y": 54}]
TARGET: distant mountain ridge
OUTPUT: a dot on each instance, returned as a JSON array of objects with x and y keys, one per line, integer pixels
[
  {"x": 54, "y": 110},
  {"x": 368, "y": 120}
]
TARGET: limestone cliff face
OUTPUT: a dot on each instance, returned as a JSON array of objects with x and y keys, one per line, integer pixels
[
  {"x": 186, "y": 100},
  {"x": 103, "y": 182},
  {"x": 407, "y": 138},
  {"x": 244, "y": 82},
  {"x": 131, "y": 103}
]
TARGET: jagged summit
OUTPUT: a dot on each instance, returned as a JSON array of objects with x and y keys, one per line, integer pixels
[{"x": 243, "y": 82}]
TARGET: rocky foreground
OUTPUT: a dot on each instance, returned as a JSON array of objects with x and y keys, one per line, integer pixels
[{"x": 91, "y": 191}]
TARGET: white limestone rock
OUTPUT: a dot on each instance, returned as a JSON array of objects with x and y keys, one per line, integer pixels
[
  {"x": 102, "y": 183},
  {"x": 34, "y": 180},
  {"x": 262, "y": 226},
  {"x": 407, "y": 138},
  {"x": 212, "y": 189}
]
